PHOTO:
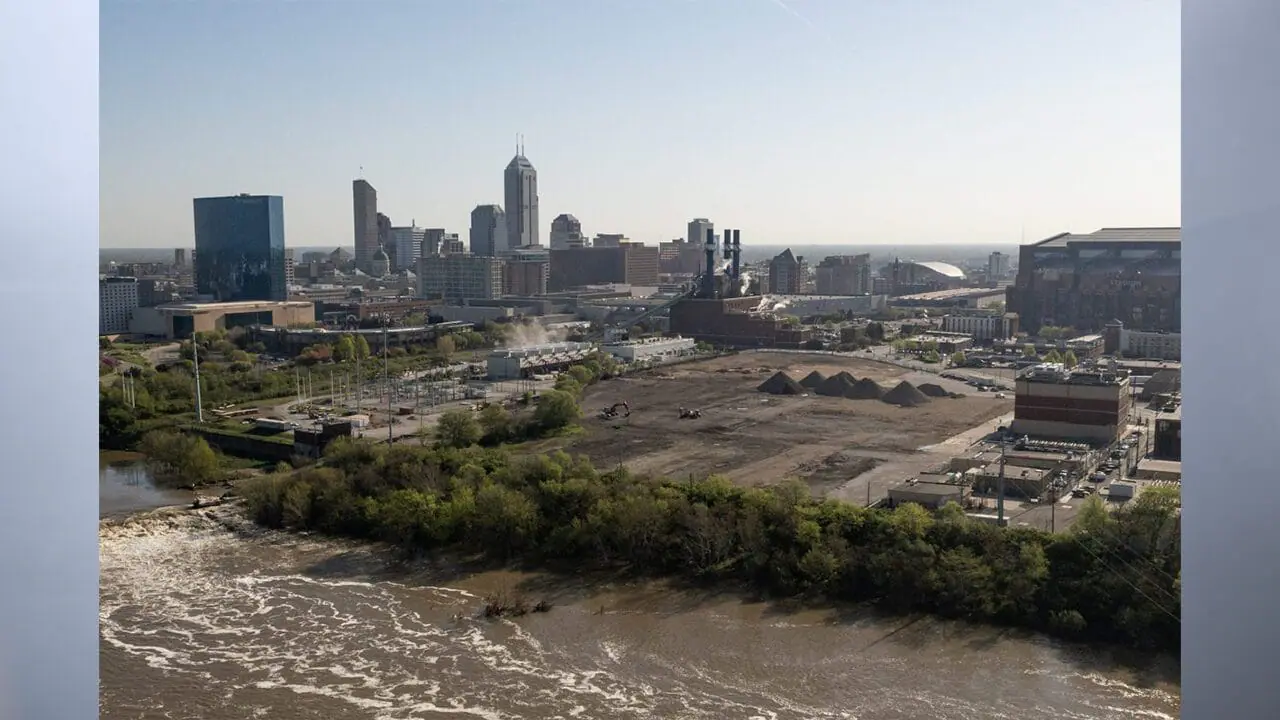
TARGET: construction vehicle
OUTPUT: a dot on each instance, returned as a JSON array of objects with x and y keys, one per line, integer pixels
[
  {"x": 688, "y": 414},
  {"x": 614, "y": 410}
]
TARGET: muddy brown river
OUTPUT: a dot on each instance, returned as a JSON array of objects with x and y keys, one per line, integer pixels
[{"x": 207, "y": 618}]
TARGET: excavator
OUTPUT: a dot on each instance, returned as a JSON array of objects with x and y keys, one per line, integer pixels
[
  {"x": 690, "y": 414},
  {"x": 616, "y": 409}
]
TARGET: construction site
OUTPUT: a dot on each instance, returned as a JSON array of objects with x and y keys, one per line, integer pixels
[{"x": 848, "y": 427}]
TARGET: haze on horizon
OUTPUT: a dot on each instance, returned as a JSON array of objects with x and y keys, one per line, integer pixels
[{"x": 801, "y": 122}]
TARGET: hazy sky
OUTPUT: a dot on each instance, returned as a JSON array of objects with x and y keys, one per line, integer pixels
[{"x": 807, "y": 121}]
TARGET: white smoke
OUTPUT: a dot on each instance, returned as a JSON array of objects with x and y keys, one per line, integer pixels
[
  {"x": 746, "y": 283},
  {"x": 521, "y": 335},
  {"x": 769, "y": 303}
]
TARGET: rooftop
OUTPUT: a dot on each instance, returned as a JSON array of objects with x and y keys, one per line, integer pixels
[
  {"x": 1116, "y": 235},
  {"x": 956, "y": 293},
  {"x": 232, "y": 306},
  {"x": 946, "y": 269},
  {"x": 1160, "y": 466},
  {"x": 929, "y": 488}
]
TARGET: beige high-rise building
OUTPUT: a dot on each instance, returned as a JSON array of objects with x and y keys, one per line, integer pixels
[
  {"x": 520, "y": 199},
  {"x": 526, "y": 271},
  {"x": 843, "y": 275}
]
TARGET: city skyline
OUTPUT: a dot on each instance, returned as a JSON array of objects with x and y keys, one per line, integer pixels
[{"x": 925, "y": 125}]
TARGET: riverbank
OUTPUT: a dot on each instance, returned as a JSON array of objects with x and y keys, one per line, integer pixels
[{"x": 778, "y": 542}]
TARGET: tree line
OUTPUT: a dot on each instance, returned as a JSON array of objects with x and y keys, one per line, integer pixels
[{"x": 1115, "y": 578}]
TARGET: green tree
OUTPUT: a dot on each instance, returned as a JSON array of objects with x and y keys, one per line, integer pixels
[
  {"x": 1093, "y": 518},
  {"x": 556, "y": 409},
  {"x": 931, "y": 356},
  {"x": 445, "y": 346},
  {"x": 362, "y": 347},
  {"x": 345, "y": 349},
  {"x": 1070, "y": 359},
  {"x": 1053, "y": 357},
  {"x": 1029, "y": 350},
  {"x": 180, "y": 457},
  {"x": 458, "y": 429},
  {"x": 496, "y": 424},
  {"x": 957, "y": 358}
]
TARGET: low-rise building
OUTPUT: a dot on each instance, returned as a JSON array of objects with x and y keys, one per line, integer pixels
[
  {"x": 1152, "y": 469},
  {"x": 1123, "y": 342},
  {"x": 179, "y": 321},
  {"x": 631, "y": 351},
  {"x": 983, "y": 326},
  {"x": 517, "y": 363},
  {"x": 1019, "y": 480},
  {"x": 932, "y": 495}
]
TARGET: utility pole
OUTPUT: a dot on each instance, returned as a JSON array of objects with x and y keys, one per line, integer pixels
[
  {"x": 359, "y": 380},
  {"x": 386, "y": 376},
  {"x": 1053, "y": 510},
  {"x": 1000, "y": 487},
  {"x": 195, "y": 364}
]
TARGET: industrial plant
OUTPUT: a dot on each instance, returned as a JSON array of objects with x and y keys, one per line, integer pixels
[{"x": 721, "y": 310}]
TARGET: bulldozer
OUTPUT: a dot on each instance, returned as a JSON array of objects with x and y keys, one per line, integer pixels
[
  {"x": 615, "y": 410},
  {"x": 690, "y": 414}
]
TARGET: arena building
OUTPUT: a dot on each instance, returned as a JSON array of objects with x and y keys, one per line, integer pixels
[{"x": 1085, "y": 281}]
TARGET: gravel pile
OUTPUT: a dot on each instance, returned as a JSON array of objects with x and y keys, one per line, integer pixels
[
  {"x": 865, "y": 389},
  {"x": 813, "y": 380},
  {"x": 781, "y": 384},
  {"x": 934, "y": 391},
  {"x": 835, "y": 386},
  {"x": 905, "y": 395}
]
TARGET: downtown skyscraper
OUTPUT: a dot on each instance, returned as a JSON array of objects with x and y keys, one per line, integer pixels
[
  {"x": 240, "y": 252},
  {"x": 365, "y": 213},
  {"x": 489, "y": 233},
  {"x": 520, "y": 196}
]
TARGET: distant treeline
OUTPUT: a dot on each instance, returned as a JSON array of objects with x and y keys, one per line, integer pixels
[{"x": 1115, "y": 578}]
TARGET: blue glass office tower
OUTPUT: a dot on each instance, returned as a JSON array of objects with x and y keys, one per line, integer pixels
[{"x": 240, "y": 248}]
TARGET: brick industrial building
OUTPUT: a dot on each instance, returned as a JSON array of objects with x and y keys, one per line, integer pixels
[
  {"x": 733, "y": 322},
  {"x": 1085, "y": 281},
  {"x": 1053, "y": 402},
  {"x": 628, "y": 263}
]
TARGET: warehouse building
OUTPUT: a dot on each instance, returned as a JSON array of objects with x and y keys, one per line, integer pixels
[
  {"x": 1053, "y": 402},
  {"x": 650, "y": 349},
  {"x": 517, "y": 363}
]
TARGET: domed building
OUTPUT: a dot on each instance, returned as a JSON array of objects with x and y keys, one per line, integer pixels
[{"x": 380, "y": 265}]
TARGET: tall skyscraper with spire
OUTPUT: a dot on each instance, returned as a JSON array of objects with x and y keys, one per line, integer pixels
[
  {"x": 520, "y": 195},
  {"x": 365, "y": 212}
]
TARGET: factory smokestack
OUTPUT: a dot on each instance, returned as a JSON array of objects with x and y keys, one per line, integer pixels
[
  {"x": 737, "y": 253},
  {"x": 728, "y": 244},
  {"x": 709, "y": 272}
]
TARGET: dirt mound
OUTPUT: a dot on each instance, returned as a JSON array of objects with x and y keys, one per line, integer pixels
[
  {"x": 813, "y": 380},
  {"x": 865, "y": 389},
  {"x": 835, "y": 386},
  {"x": 905, "y": 395},
  {"x": 933, "y": 390},
  {"x": 781, "y": 384},
  {"x": 847, "y": 377}
]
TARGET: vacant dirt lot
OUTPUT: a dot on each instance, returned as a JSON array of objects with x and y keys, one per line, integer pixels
[{"x": 838, "y": 446}]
